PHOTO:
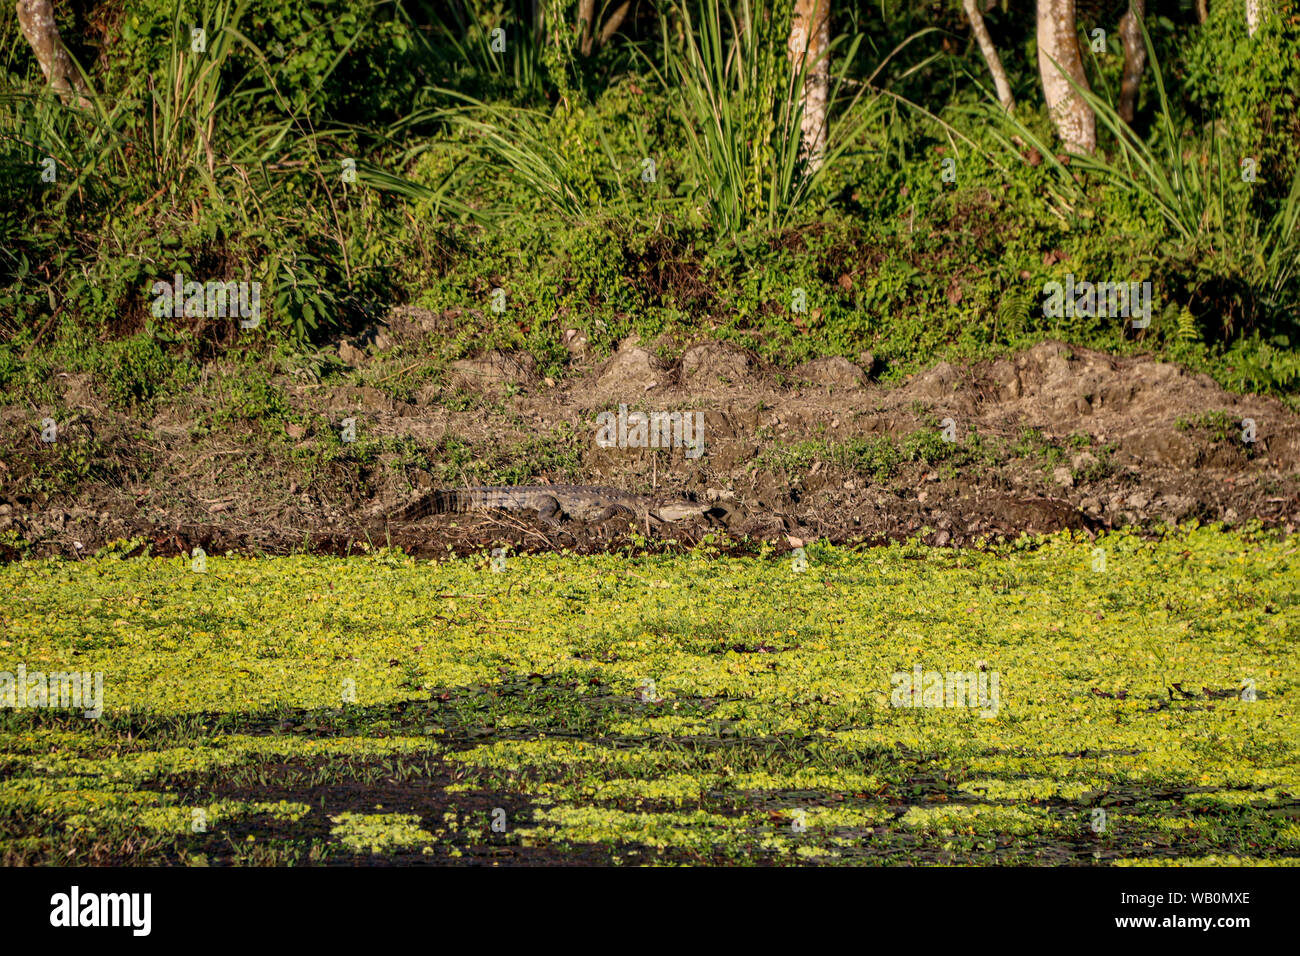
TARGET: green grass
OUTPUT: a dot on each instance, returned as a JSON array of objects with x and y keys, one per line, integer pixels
[{"x": 651, "y": 709}]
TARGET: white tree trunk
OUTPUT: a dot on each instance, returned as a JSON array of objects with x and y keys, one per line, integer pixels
[
  {"x": 1254, "y": 15},
  {"x": 990, "y": 53},
  {"x": 810, "y": 38},
  {"x": 36, "y": 17},
  {"x": 1058, "y": 58},
  {"x": 1135, "y": 58}
]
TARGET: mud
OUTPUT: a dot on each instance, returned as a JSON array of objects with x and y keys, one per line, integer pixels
[{"x": 1050, "y": 438}]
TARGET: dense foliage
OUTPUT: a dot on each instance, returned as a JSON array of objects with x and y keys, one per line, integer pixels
[{"x": 651, "y": 186}]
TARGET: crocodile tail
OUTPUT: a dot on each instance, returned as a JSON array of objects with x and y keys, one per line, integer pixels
[{"x": 435, "y": 503}]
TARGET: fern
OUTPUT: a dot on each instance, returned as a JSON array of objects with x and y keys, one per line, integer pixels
[{"x": 1013, "y": 310}]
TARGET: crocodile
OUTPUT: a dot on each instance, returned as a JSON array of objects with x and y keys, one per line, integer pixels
[{"x": 551, "y": 502}]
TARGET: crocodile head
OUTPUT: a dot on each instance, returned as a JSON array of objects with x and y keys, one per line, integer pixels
[{"x": 677, "y": 510}]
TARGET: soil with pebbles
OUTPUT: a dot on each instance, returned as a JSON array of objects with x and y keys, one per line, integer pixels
[{"x": 1128, "y": 452}]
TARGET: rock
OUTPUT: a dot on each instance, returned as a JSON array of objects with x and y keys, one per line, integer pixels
[
  {"x": 629, "y": 370},
  {"x": 575, "y": 341},
  {"x": 77, "y": 392},
  {"x": 349, "y": 354},
  {"x": 1008, "y": 381},
  {"x": 1177, "y": 507},
  {"x": 713, "y": 363},
  {"x": 374, "y": 335},
  {"x": 834, "y": 371},
  {"x": 1164, "y": 446},
  {"x": 1139, "y": 500},
  {"x": 938, "y": 382},
  {"x": 494, "y": 368},
  {"x": 412, "y": 323},
  {"x": 1063, "y": 476}
]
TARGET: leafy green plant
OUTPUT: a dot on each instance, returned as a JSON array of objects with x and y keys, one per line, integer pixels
[
  {"x": 927, "y": 445},
  {"x": 138, "y": 369}
]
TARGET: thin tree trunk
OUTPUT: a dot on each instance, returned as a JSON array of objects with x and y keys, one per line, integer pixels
[
  {"x": 810, "y": 38},
  {"x": 1135, "y": 58},
  {"x": 614, "y": 22},
  {"x": 990, "y": 55},
  {"x": 586, "y": 16},
  {"x": 1058, "y": 58},
  {"x": 1254, "y": 15},
  {"x": 36, "y": 17},
  {"x": 593, "y": 40},
  {"x": 1202, "y": 10}
]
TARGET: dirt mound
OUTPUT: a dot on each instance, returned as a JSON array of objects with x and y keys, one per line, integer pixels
[
  {"x": 835, "y": 372},
  {"x": 1053, "y": 437},
  {"x": 493, "y": 369},
  {"x": 717, "y": 364},
  {"x": 629, "y": 373}
]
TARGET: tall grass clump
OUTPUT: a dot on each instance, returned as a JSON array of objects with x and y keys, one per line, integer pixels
[
  {"x": 737, "y": 94},
  {"x": 1234, "y": 242}
]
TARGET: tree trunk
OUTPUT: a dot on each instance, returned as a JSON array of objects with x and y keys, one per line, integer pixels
[
  {"x": 586, "y": 26},
  {"x": 1135, "y": 58},
  {"x": 990, "y": 55},
  {"x": 810, "y": 38},
  {"x": 613, "y": 23},
  {"x": 1254, "y": 15},
  {"x": 1058, "y": 58},
  {"x": 1202, "y": 10},
  {"x": 36, "y": 17},
  {"x": 592, "y": 40}
]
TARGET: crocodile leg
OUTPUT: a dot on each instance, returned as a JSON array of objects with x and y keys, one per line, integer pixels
[
  {"x": 549, "y": 510},
  {"x": 610, "y": 512}
]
